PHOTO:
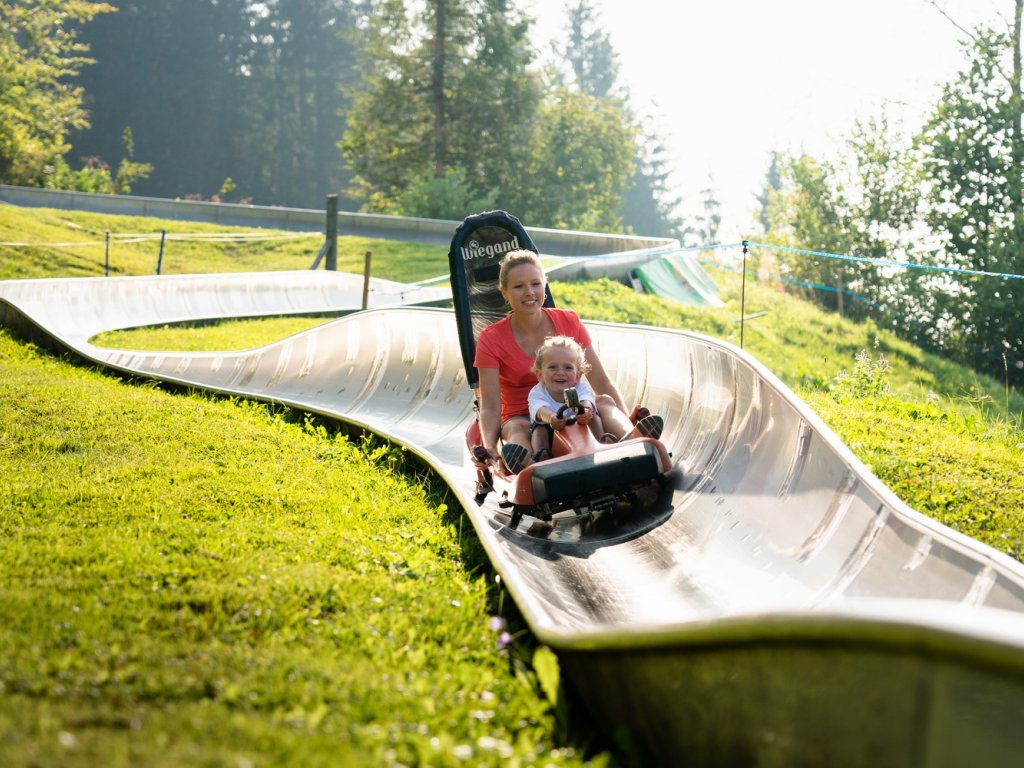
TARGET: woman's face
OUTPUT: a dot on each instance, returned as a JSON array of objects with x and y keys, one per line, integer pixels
[{"x": 525, "y": 289}]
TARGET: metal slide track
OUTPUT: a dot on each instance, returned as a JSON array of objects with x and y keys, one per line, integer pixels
[{"x": 782, "y": 607}]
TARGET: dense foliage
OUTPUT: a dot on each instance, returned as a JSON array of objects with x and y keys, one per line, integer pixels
[
  {"x": 40, "y": 55},
  {"x": 950, "y": 198},
  {"x": 429, "y": 109},
  {"x": 223, "y": 96}
]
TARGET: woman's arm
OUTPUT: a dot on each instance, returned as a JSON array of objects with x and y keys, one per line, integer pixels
[
  {"x": 599, "y": 379},
  {"x": 489, "y": 391}
]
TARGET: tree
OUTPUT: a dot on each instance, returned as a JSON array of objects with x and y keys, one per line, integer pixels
[
  {"x": 772, "y": 184},
  {"x": 649, "y": 203},
  {"x": 973, "y": 152},
  {"x": 39, "y": 55},
  {"x": 225, "y": 88},
  {"x": 385, "y": 142},
  {"x": 493, "y": 111},
  {"x": 583, "y": 158},
  {"x": 458, "y": 106},
  {"x": 863, "y": 204},
  {"x": 589, "y": 51},
  {"x": 169, "y": 71},
  {"x": 711, "y": 219},
  {"x": 293, "y": 108},
  {"x": 808, "y": 211}
]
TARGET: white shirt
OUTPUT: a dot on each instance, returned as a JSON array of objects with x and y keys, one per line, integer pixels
[{"x": 539, "y": 396}]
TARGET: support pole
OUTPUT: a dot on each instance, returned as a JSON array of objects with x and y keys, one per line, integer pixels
[
  {"x": 160, "y": 257},
  {"x": 106, "y": 257},
  {"x": 743, "y": 292},
  {"x": 331, "y": 233},
  {"x": 366, "y": 278}
]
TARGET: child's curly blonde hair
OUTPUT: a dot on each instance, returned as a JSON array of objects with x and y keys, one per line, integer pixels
[{"x": 561, "y": 342}]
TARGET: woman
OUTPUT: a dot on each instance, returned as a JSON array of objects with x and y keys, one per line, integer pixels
[{"x": 505, "y": 354}]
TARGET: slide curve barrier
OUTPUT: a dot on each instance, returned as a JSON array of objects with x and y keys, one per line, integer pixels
[{"x": 780, "y": 607}]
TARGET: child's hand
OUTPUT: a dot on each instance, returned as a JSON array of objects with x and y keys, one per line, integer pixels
[
  {"x": 586, "y": 417},
  {"x": 556, "y": 423}
]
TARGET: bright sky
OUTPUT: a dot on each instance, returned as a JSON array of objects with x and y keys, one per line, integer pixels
[{"x": 732, "y": 80}]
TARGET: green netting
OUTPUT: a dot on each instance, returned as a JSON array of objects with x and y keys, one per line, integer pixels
[{"x": 680, "y": 278}]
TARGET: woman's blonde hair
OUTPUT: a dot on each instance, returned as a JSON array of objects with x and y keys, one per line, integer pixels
[
  {"x": 561, "y": 342},
  {"x": 514, "y": 259}
]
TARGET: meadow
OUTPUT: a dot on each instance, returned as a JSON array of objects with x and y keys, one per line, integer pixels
[{"x": 186, "y": 579}]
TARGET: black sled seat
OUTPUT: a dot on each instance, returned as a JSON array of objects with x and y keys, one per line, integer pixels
[{"x": 474, "y": 260}]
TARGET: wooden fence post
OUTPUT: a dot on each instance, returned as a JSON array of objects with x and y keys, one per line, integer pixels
[{"x": 331, "y": 231}]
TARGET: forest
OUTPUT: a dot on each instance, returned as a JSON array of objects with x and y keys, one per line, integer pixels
[{"x": 443, "y": 107}]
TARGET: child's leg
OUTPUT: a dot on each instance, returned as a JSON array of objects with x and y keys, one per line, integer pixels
[{"x": 540, "y": 441}]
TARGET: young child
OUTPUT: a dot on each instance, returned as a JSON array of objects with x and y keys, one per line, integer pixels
[{"x": 559, "y": 365}]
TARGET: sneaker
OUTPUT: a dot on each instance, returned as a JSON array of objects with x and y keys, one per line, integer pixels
[
  {"x": 608, "y": 437},
  {"x": 639, "y": 412},
  {"x": 542, "y": 455},
  {"x": 648, "y": 426},
  {"x": 514, "y": 456}
]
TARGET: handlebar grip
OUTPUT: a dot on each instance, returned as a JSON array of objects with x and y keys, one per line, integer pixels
[{"x": 575, "y": 410}]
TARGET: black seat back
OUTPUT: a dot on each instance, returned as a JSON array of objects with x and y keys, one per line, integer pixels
[{"x": 474, "y": 258}]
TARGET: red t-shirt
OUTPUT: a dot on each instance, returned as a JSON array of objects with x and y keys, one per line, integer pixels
[{"x": 497, "y": 348}]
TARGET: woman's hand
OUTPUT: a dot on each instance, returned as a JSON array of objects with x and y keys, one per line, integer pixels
[{"x": 484, "y": 458}]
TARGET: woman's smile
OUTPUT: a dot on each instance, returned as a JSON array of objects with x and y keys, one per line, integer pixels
[{"x": 525, "y": 287}]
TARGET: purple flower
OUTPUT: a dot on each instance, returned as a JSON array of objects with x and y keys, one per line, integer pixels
[
  {"x": 496, "y": 624},
  {"x": 504, "y": 641}
]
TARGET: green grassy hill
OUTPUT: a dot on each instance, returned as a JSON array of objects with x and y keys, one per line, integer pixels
[
  {"x": 195, "y": 580},
  {"x": 73, "y": 244}
]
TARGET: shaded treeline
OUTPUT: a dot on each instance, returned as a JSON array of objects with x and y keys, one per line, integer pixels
[
  {"x": 223, "y": 89},
  {"x": 423, "y": 109}
]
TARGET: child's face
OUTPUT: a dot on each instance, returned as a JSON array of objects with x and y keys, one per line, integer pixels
[{"x": 559, "y": 371}]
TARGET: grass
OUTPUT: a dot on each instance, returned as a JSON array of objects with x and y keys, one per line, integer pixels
[
  {"x": 228, "y": 335},
  {"x": 803, "y": 345},
  {"x": 392, "y": 260},
  {"x": 186, "y": 580},
  {"x": 189, "y": 580}
]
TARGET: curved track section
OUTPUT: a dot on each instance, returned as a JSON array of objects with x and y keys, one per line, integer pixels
[{"x": 777, "y": 606}]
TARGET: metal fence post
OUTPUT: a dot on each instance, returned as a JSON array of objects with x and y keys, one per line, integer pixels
[
  {"x": 366, "y": 279},
  {"x": 743, "y": 293}
]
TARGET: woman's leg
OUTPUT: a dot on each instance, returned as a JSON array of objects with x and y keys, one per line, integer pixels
[
  {"x": 614, "y": 420},
  {"x": 597, "y": 427},
  {"x": 515, "y": 436}
]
